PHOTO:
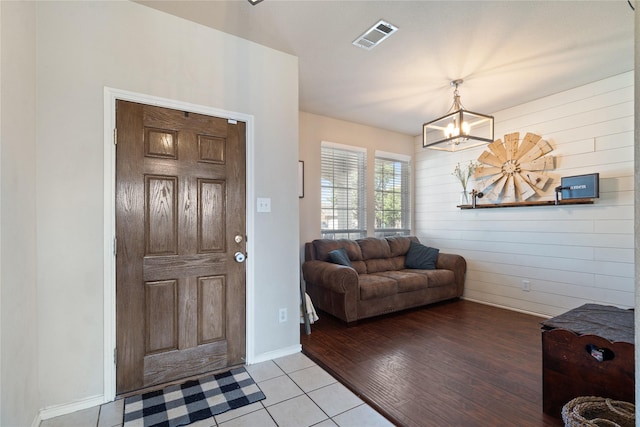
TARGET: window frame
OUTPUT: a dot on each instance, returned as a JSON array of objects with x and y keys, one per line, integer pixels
[
  {"x": 404, "y": 193},
  {"x": 359, "y": 157}
]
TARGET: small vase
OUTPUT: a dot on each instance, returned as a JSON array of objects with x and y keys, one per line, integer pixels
[{"x": 464, "y": 198}]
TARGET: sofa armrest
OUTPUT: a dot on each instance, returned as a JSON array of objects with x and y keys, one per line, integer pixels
[
  {"x": 338, "y": 278},
  {"x": 455, "y": 263}
]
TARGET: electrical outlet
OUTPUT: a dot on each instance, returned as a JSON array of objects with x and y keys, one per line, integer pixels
[
  {"x": 263, "y": 204},
  {"x": 526, "y": 285},
  {"x": 282, "y": 315}
]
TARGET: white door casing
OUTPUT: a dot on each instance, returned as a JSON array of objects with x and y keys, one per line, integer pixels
[{"x": 109, "y": 310}]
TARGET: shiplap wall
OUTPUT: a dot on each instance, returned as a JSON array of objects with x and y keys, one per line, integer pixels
[{"x": 571, "y": 255}]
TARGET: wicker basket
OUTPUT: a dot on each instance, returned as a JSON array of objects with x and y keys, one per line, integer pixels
[{"x": 590, "y": 411}]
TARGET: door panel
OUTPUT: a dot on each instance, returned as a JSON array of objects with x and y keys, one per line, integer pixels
[
  {"x": 211, "y": 232},
  {"x": 180, "y": 201},
  {"x": 162, "y": 316},
  {"x": 211, "y": 309},
  {"x": 161, "y": 204}
]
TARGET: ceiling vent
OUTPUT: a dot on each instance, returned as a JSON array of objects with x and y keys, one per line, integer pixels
[{"x": 375, "y": 35}]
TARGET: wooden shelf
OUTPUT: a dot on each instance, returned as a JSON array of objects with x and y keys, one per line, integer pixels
[{"x": 521, "y": 204}]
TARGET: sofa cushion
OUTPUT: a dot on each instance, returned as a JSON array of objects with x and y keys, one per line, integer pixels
[
  {"x": 373, "y": 247},
  {"x": 324, "y": 246},
  {"x": 439, "y": 278},
  {"x": 379, "y": 264},
  {"x": 421, "y": 256},
  {"x": 388, "y": 264},
  {"x": 408, "y": 280},
  {"x": 340, "y": 256},
  {"x": 359, "y": 266},
  {"x": 436, "y": 278},
  {"x": 374, "y": 286},
  {"x": 399, "y": 245}
]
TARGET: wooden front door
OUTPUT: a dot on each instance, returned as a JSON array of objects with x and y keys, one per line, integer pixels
[{"x": 180, "y": 218}]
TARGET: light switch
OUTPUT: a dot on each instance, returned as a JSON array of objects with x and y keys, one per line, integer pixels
[{"x": 264, "y": 204}]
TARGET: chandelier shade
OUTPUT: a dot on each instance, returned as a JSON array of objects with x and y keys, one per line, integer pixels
[{"x": 459, "y": 129}]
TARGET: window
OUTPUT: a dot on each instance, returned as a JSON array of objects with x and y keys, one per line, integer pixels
[
  {"x": 343, "y": 192},
  {"x": 392, "y": 210}
]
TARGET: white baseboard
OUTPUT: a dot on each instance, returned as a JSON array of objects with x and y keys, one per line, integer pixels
[
  {"x": 506, "y": 308},
  {"x": 68, "y": 408},
  {"x": 89, "y": 402},
  {"x": 277, "y": 353},
  {"x": 36, "y": 421}
]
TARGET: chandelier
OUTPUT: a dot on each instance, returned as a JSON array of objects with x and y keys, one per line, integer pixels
[{"x": 459, "y": 129}]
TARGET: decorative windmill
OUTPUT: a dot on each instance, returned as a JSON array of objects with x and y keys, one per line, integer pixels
[{"x": 514, "y": 169}]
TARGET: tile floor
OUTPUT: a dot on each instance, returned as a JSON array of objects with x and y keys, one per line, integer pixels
[{"x": 298, "y": 394}]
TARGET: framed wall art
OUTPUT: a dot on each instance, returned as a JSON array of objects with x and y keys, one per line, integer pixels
[{"x": 300, "y": 179}]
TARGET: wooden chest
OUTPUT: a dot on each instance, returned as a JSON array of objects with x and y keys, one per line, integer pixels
[{"x": 587, "y": 351}]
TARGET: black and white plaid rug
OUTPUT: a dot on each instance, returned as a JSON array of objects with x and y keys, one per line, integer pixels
[{"x": 183, "y": 404}]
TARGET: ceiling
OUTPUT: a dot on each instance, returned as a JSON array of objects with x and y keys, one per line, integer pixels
[{"x": 507, "y": 52}]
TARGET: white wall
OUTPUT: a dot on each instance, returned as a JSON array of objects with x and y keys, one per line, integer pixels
[
  {"x": 18, "y": 335},
  {"x": 313, "y": 130},
  {"x": 76, "y": 50},
  {"x": 80, "y": 47},
  {"x": 570, "y": 254}
]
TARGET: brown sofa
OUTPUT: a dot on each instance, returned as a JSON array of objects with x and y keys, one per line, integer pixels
[{"x": 378, "y": 281}]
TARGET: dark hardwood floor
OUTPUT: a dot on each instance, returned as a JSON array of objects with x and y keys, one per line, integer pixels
[{"x": 449, "y": 364}]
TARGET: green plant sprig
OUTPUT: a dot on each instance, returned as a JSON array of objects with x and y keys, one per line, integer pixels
[{"x": 463, "y": 173}]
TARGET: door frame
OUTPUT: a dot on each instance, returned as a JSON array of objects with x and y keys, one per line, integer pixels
[{"x": 111, "y": 95}]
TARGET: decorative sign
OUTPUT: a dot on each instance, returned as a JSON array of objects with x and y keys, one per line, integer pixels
[
  {"x": 580, "y": 186},
  {"x": 514, "y": 171}
]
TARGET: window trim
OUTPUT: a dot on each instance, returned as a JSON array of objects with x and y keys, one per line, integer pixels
[
  {"x": 361, "y": 231},
  {"x": 405, "y": 194},
  {"x": 393, "y": 156}
]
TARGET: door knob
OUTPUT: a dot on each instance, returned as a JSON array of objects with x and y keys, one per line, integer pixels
[{"x": 239, "y": 256}]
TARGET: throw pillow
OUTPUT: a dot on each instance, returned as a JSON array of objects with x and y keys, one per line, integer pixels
[
  {"x": 421, "y": 256},
  {"x": 339, "y": 256}
]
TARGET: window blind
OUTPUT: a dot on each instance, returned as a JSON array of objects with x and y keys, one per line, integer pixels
[
  {"x": 343, "y": 192},
  {"x": 392, "y": 197}
]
